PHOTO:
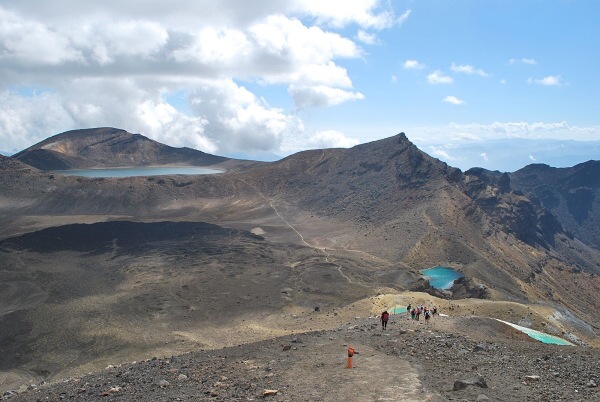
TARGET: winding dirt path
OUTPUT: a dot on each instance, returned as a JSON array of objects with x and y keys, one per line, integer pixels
[{"x": 321, "y": 249}]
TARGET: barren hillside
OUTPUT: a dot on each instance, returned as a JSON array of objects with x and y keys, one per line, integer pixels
[
  {"x": 110, "y": 147},
  {"x": 118, "y": 269}
]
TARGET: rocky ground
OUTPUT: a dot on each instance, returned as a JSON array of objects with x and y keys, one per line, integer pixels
[{"x": 451, "y": 358}]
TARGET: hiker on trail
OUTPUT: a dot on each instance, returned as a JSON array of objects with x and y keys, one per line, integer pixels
[
  {"x": 408, "y": 308},
  {"x": 413, "y": 313},
  {"x": 427, "y": 316},
  {"x": 384, "y": 319},
  {"x": 418, "y": 313},
  {"x": 434, "y": 311}
]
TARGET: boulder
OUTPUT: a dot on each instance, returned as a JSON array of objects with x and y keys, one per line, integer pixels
[{"x": 477, "y": 381}]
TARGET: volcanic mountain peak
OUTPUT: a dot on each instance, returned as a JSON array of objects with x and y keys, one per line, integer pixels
[
  {"x": 108, "y": 147},
  {"x": 394, "y": 158}
]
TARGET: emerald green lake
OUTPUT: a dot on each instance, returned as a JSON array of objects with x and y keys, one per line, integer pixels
[
  {"x": 540, "y": 336},
  {"x": 398, "y": 310}
]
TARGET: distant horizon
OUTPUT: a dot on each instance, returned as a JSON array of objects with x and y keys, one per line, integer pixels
[
  {"x": 288, "y": 76},
  {"x": 506, "y": 158}
]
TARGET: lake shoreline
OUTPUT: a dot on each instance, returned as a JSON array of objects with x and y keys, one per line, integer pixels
[{"x": 136, "y": 171}]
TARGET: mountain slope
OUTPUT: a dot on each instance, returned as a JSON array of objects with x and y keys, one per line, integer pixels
[
  {"x": 411, "y": 209},
  {"x": 109, "y": 147},
  {"x": 571, "y": 194},
  {"x": 334, "y": 228}
]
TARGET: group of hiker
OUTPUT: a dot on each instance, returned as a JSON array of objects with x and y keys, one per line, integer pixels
[{"x": 415, "y": 314}]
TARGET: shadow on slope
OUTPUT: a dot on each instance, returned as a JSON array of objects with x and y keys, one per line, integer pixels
[
  {"x": 120, "y": 291},
  {"x": 105, "y": 236}
]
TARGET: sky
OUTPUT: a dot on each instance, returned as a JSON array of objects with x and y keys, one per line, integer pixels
[{"x": 489, "y": 83}]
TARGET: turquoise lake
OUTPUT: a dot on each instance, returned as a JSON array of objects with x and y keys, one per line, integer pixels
[
  {"x": 540, "y": 336},
  {"x": 139, "y": 171},
  {"x": 441, "y": 277},
  {"x": 398, "y": 310}
]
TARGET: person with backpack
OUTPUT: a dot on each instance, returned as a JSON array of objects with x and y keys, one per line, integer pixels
[{"x": 384, "y": 319}]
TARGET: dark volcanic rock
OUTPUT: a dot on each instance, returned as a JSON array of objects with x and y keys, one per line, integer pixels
[
  {"x": 477, "y": 381},
  {"x": 465, "y": 287},
  {"x": 8, "y": 164},
  {"x": 572, "y": 195},
  {"x": 529, "y": 221},
  {"x": 423, "y": 285},
  {"x": 101, "y": 237}
]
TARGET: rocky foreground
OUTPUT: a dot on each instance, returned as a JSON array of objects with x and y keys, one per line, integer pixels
[{"x": 450, "y": 358}]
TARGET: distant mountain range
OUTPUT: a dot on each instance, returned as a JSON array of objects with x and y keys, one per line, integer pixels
[
  {"x": 509, "y": 155},
  {"x": 365, "y": 182}
]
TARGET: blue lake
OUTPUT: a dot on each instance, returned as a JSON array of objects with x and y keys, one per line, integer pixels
[
  {"x": 139, "y": 171},
  {"x": 540, "y": 336},
  {"x": 441, "y": 277}
]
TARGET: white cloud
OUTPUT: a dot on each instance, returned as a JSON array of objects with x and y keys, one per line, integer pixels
[
  {"x": 532, "y": 158},
  {"x": 237, "y": 119},
  {"x": 394, "y": 79},
  {"x": 441, "y": 153},
  {"x": 114, "y": 63},
  {"x": 459, "y": 135},
  {"x": 339, "y": 13},
  {"x": 551, "y": 80},
  {"x": 25, "y": 121},
  {"x": 438, "y": 77},
  {"x": 484, "y": 156},
  {"x": 290, "y": 39},
  {"x": 214, "y": 47},
  {"x": 468, "y": 69},
  {"x": 366, "y": 37},
  {"x": 331, "y": 139},
  {"x": 404, "y": 17},
  {"x": 413, "y": 65},
  {"x": 25, "y": 41},
  {"x": 330, "y": 75},
  {"x": 522, "y": 61},
  {"x": 227, "y": 117},
  {"x": 307, "y": 96},
  {"x": 122, "y": 38},
  {"x": 187, "y": 13},
  {"x": 453, "y": 100},
  {"x": 475, "y": 132}
]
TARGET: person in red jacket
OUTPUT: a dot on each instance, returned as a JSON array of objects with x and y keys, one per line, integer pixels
[{"x": 384, "y": 319}]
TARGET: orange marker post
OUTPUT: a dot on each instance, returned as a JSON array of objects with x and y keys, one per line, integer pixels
[{"x": 351, "y": 352}]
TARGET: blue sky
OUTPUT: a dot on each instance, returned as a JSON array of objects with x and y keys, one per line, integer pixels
[{"x": 495, "y": 83}]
